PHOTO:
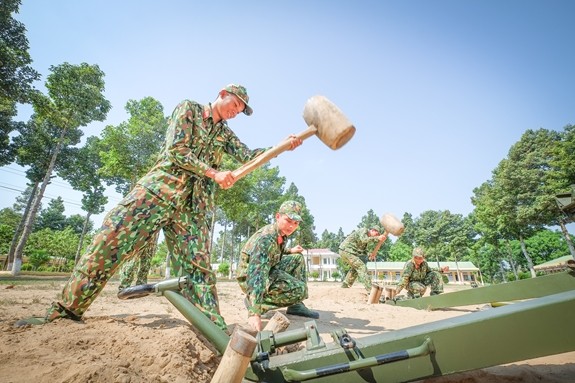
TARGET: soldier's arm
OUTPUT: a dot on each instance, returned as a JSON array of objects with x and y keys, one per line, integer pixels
[{"x": 405, "y": 277}]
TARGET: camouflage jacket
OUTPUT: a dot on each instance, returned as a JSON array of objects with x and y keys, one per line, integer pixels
[
  {"x": 356, "y": 243},
  {"x": 261, "y": 252},
  {"x": 411, "y": 274},
  {"x": 193, "y": 144}
]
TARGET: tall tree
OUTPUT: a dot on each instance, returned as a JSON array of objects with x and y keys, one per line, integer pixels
[
  {"x": 562, "y": 178},
  {"x": 525, "y": 206},
  {"x": 75, "y": 98},
  {"x": 81, "y": 171},
  {"x": 16, "y": 74}
]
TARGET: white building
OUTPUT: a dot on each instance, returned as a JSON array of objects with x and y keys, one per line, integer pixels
[
  {"x": 459, "y": 272},
  {"x": 321, "y": 260}
]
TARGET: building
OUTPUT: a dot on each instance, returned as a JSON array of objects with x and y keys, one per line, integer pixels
[
  {"x": 555, "y": 265},
  {"x": 324, "y": 261},
  {"x": 459, "y": 272}
]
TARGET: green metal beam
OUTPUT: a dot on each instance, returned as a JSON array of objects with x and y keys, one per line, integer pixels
[
  {"x": 525, "y": 330},
  {"x": 512, "y": 291}
]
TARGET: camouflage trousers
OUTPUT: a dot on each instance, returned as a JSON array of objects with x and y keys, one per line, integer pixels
[
  {"x": 126, "y": 229},
  {"x": 358, "y": 270},
  {"x": 287, "y": 283},
  {"x": 416, "y": 289},
  {"x": 140, "y": 267}
]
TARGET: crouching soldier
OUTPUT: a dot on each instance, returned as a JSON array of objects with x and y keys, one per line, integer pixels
[{"x": 270, "y": 274}]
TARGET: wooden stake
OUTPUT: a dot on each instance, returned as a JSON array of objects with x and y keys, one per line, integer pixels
[
  {"x": 236, "y": 358},
  {"x": 374, "y": 294},
  {"x": 278, "y": 323}
]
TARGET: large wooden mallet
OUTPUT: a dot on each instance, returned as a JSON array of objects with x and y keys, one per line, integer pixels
[{"x": 323, "y": 118}]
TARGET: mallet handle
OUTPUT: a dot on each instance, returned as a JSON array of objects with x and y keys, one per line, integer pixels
[{"x": 273, "y": 152}]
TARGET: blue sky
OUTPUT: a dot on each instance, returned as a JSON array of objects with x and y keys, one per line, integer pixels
[{"x": 438, "y": 90}]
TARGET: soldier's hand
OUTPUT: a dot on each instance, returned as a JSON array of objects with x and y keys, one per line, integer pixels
[
  {"x": 225, "y": 179},
  {"x": 294, "y": 141},
  {"x": 297, "y": 249},
  {"x": 255, "y": 321}
]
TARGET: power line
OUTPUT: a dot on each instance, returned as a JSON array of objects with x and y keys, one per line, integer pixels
[{"x": 44, "y": 196}]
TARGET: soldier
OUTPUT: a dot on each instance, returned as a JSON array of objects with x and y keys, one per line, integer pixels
[
  {"x": 417, "y": 275},
  {"x": 176, "y": 195},
  {"x": 354, "y": 246},
  {"x": 270, "y": 274}
]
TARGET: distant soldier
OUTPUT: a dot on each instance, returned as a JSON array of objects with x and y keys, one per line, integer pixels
[
  {"x": 352, "y": 248},
  {"x": 417, "y": 276},
  {"x": 270, "y": 274}
]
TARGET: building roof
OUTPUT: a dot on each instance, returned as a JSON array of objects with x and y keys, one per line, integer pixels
[
  {"x": 462, "y": 266},
  {"x": 557, "y": 262}
]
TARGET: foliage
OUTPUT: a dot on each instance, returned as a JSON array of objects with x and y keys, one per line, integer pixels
[
  {"x": 127, "y": 151},
  {"x": 55, "y": 243},
  {"x": 38, "y": 258},
  {"x": 16, "y": 74},
  {"x": 224, "y": 268}
]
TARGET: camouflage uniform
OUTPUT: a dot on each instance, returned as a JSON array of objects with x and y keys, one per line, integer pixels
[
  {"x": 174, "y": 196},
  {"x": 415, "y": 280},
  {"x": 354, "y": 246},
  {"x": 268, "y": 274}
]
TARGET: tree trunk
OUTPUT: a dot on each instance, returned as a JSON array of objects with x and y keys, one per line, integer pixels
[
  {"x": 81, "y": 242},
  {"x": 10, "y": 258},
  {"x": 526, "y": 255},
  {"x": 168, "y": 269},
  {"x": 503, "y": 274},
  {"x": 223, "y": 242},
  {"x": 34, "y": 208},
  {"x": 232, "y": 253},
  {"x": 567, "y": 238},
  {"x": 511, "y": 263}
]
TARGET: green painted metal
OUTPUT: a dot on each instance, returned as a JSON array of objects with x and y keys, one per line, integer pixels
[
  {"x": 525, "y": 330},
  {"x": 512, "y": 291},
  {"x": 520, "y": 331}
]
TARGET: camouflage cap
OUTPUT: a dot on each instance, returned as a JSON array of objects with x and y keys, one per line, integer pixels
[
  {"x": 242, "y": 94},
  {"x": 292, "y": 209},
  {"x": 418, "y": 252}
]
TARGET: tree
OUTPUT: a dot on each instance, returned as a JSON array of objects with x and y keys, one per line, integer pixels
[
  {"x": 52, "y": 217},
  {"x": 74, "y": 99},
  {"x": 16, "y": 74},
  {"x": 524, "y": 204},
  {"x": 81, "y": 171},
  {"x": 127, "y": 151}
]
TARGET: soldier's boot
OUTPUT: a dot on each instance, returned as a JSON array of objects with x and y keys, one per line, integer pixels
[
  {"x": 302, "y": 311},
  {"x": 435, "y": 292},
  {"x": 32, "y": 321},
  {"x": 344, "y": 285}
]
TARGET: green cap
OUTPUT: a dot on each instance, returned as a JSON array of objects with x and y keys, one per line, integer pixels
[
  {"x": 242, "y": 93},
  {"x": 292, "y": 209},
  {"x": 418, "y": 252}
]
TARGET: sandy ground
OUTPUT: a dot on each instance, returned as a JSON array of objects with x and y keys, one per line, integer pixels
[{"x": 148, "y": 340}]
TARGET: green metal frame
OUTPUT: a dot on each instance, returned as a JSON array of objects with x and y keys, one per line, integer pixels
[
  {"x": 524, "y": 330},
  {"x": 505, "y": 292}
]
